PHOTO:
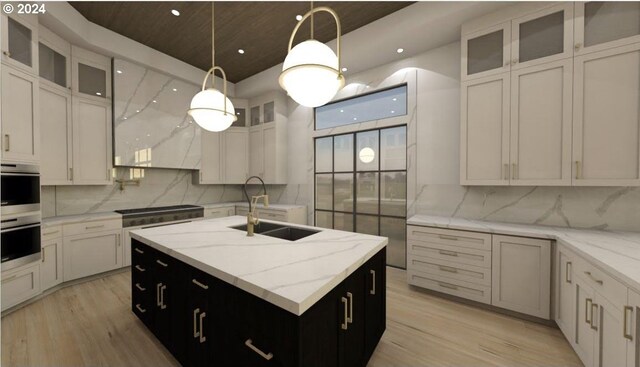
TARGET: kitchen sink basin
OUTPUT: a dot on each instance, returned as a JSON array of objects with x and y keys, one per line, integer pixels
[{"x": 279, "y": 231}]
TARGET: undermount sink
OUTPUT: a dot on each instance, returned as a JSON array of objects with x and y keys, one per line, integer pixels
[{"x": 278, "y": 231}]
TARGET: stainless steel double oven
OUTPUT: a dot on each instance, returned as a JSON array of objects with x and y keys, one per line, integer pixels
[{"x": 20, "y": 216}]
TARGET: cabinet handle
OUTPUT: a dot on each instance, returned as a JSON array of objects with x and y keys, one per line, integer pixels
[
  {"x": 448, "y": 269},
  {"x": 567, "y": 271},
  {"x": 141, "y": 269},
  {"x": 42, "y": 254},
  {"x": 196, "y": 333},
  {"x": 446, "y": 285},
  {"x": 158, "y": 286},
  {"x": 445, "y": 237},
  {"x": 49, "y": 233},
  {"x": 506, "y": 63},
  {"x": 267, "y": 356},
  {"x": 203, "y": 286},
  {"x": 7, "y": 143},
  {"x": 162, "y": 304},
  {"x": 70, "y": 173},
  {"x": 345, "y": 325},
  {"x": 94, "y": 227},
  {"x": 514, "y": 61},
  {"x": 514, "y": 171},
  {"x": 593, "y": 278},
  {"x": 577, "y": 170},
  {"x": 162, "y": 263},
  {"x": 447, "y": 253},
  {"x": 587, "y": 307},
  {"x": 118, "y": 239},
  {"x": 373, "y": 282},
  {"x": 140, "y": 287},
  {"x": 140, "y": 308},
  {"x": 350, "y": 318},
  {"x": 202, "y": 337},
  {"x": 577, "y": 46},
  {"x": 626, "y": 321},
  {"x": 593, "y": 316},
  {"x": 138, "y": 250},
  {"x": 6, "y": 53},
  {"x": 505, "y": 171}
]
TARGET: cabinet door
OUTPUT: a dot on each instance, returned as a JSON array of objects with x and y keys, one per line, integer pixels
[
  {"x": 200, "y": 334},
  {"x": 91, "y": 75},
  {"x": 375, "y": 297},
  {"x": 542, "y": 37},
  {"x": 91, "y": 254},
  {"x": 486, "y": 52},
  {"x": 256, "y": 152},
  {"x": 51, "y": 264},
  {"x": 56, "y": 136},
  {"x": 211, "y": 162},
  {"x": 565, "y": 301},
  {"x": 19, "y": 285},
  {"x": 521, "y": 269},
  {"x": 585, "y": 338},
  {"x": 606, "y": 110},
  {"x": 236, "y": 143},
  {"x": 541, "y": 124},
  {"x": 605, "y": 24},
  {"x": 632, "y": 329},
  {"x": 92, "y": 160},
  {"x": 609, "y": 323},
  {"x": 20, "y": 42},
  {"x": 484, "y": 131},
  {"x": 20, "y": 123},
  {"x": 54, "y": 60},
  {"x": 269, "y": 146},
  {"x": 352, "y": 344}
]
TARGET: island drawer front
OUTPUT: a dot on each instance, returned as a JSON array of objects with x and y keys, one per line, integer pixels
[
  {"x": 219, "y": 212},
  {"x": 459, "y": 255},
  {"x": 453, "y": 287},
  {"x": 91, "y": 227},
  {"x": 450, "y": 237},
  {"x": 264, "y": 214},
  {"x": 51, "y": 233},
  {"x": 448, "y": 269},
  {"x": 603, "y": 283}
]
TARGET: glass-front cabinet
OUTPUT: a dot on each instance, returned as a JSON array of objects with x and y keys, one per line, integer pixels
[
  {"x": 54, "y": 55},
  {"x": 91, "y": 75},
  {"x": 20, "y": 42},
  {"x": 603, "y": 24},
  {"x": 486, "y": 52}
]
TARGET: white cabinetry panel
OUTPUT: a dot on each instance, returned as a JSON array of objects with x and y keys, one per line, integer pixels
[
  {"x": 56, "y": 136},
  {"x": 51, "y": 263},
  {"x": 236, "y": 158},
  {"x": 19, "y": 285},
  {"x": 211, "y": 161},
  {"x": 90, "y": 254},
  {"x": 566, "y": 294},
  {"x": 20, "y": 116},
  {"x": 91, "y": 142}
]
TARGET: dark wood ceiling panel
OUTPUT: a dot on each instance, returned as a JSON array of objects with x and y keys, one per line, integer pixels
[{"x": 262, "y": 29}]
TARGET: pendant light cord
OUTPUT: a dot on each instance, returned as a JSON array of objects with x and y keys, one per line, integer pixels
[
  {"x": 312, "y": 20},
  {"x": 213, "y": 38}
]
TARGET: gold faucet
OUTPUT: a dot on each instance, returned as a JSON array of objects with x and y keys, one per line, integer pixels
[{"x": 252, "y": 216}]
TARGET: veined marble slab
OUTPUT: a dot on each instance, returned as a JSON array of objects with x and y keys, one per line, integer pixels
[
  {"x": 68, "y": 219},
  {"x": 293, "y": 275},
  {"x": 618, "y": 253}
]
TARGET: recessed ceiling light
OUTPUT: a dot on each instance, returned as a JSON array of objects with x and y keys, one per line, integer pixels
[
  {"x": 98, "y": 94},
  {"x": 241, "y": 51},
  {"x": 393, "y": 111},
  {"x": 154, "y": 101},
  {"x": 137, "y": 111},
  {"x": 175, "y": 12},
  {"x": 137, "y": 139},
  {"x": 119, "y": 71},
  {"x": 175, "y": 90},
  {"x": 344, "y": 69},
  {"x": 148, "y": 134},
  {"x": 341, "y": 110},
  {"x": 298, "y": 17},
  {"x": 400, "y": 50},
  {"x": 124, "y": 118},
  {"x": 395, "y": 99},
  {"x": 355, "y": 119}
]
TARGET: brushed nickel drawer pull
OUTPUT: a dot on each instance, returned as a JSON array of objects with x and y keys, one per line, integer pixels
[
  {"x": 373, "y": 282},
  {"x": 445, "y": 237},
  {"x": 42, "y": 254},
  {"x": 567, "y": 270},
  {"x": 142, "y": 310},
  {"x": 345, "y": 325},
  {"x": 162, "y": 289},
  {"x": 350, "y": 318},
  {"x": 626, "y": 321},
  {"x": 158, "y": 302},
  {"x": 587, "y": 307},
  {"x": 593, "y": 316},
  {"x": 141, "y": 269},
  {"x": 202, "y": 337},
  {"x": 203, "y": 286},
  {"x": 267, "y": 356},
  {"x": 138, "y": 250},
  {"x": 449, "y": 286},
  {"x": 448, "y": 269},
  {"x": 196, "y": 333},
  {"x": 593, "y": 278},
  {"x": 447, "y": 253},
  {"x": 94, "y": 227},
  {"x": 140, "y": 287},
  {"x": 7, "y": 143},
  {"x": 162, "y": 263}
]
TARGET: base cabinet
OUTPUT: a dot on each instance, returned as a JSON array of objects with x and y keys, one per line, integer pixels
[
  {"x": 51, "y": 263},
  {"x": 566, "y": 294},
  {"x": 206, "y": 321},
  {"x": 92, "y": 253},
  {"x": 19, "y": 285},
  {"x": 632, "y": 329}
]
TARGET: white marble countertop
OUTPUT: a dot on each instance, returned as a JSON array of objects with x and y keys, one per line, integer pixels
[
  {"x": 291, "y": 275},
  {"x": 68, "y": 219},
  {"x": 618, "y": 253}
]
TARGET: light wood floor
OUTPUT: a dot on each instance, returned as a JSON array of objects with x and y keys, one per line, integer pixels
[{"x": 91, "y": 324}]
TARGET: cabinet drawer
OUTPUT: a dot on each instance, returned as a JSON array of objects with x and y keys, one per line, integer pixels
[
  {"x": 467, "y": 273},
  {"x": 50, "y": 233},
  {"x": 459, "y": 255},
  {"x": 273, "y": 215},
  {"x": 449, "y": 237},
  {"x": 601, "y": 282},
  {"x": 20, "y": 285},
  {"x": 219, "y": 212},
  {"x": 453, "y": 287},
  {"x": 91, "y": 227}
]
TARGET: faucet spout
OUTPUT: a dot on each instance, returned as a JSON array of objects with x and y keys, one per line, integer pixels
[{"x": 252, "y": 216}]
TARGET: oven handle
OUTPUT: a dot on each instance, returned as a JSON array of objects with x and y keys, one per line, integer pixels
[
  {"x": 21, "y": 174},
  {"x": 19, "y": 228}
]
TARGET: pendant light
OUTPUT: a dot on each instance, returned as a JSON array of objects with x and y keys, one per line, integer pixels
[
  {"x": 210, "y": 109},
  {"x": 311, "y": 72}
]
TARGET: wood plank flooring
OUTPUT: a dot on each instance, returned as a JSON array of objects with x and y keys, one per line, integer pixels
[{"x": 91, "y": 324}]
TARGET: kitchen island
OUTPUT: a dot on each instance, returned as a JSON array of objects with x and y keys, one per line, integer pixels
[{"x": 215, "y": 297}]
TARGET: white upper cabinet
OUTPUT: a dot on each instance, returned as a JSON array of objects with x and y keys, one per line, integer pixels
[
  {"x": 606, "y": 117},
  {"x": 56, "y": 136},
  {"x": 20, "y": 42},
  {"x": 486, "y": 52},
  {"x": 543, "y": 36},
  {"x": 211, "y": 162},
  {"x": 92, "y": 158},
  {"x": 541, "y": 124},
  {"x": 256, "y": 147},
  {"x": 20, "y": 116},
  {"x": 484, "y": 145},
  {"x": 236, "y": 158},
  {"x": 91, "y": 75},
  {"x": 54, "y": 64},
  {"x": 605, "y": 24}
]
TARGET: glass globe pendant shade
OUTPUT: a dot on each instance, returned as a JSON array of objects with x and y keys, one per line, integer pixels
[
  {"x": 310, "y": 74},
  {"x": 208, "y": 110}
]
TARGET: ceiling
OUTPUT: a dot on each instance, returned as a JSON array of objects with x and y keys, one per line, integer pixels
[{"x": 261, "y": 29}]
